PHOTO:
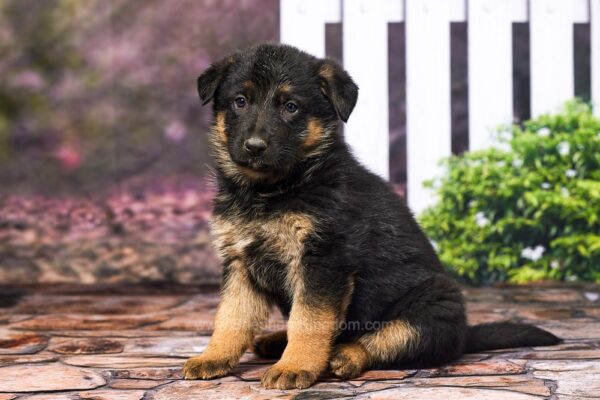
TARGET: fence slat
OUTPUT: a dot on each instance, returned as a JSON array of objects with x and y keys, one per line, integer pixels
[
  {"x": 595, "y": 57},
  {"x": 366, "y": 59},
  {"x": 519, "y": 10},
  {"x": 490, "y": 69},
  {"x": 302, "y": 24},
  {"x": 428, "y": 94},
  {"x": 581, "y": 11},
  {"x": 457, "y": 10},
  {"x": 551, "y": 30}
]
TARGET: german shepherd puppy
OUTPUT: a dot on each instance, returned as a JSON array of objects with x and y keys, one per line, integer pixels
[{"x": 302, "y": 225}]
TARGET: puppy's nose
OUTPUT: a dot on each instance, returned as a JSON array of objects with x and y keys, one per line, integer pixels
[{"x": 255, "y": 146}]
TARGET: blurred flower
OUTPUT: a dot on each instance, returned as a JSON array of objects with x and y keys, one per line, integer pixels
[
  {"x": 503, "y": 146},
  {"x": 517, "y": 163},
  {"x": 571, "y": 173},
  {"x": 544, "y": 132},
  {"x": 564, "y": 191},
  {"x": 533, "y": 254},
  {"x": 546, "y": 185},
  {"x": 501, "y": 164},
  {"x": 505, "y": 134},
  {"x": 69, "y": 156},
  {"x": 29, "y": 80},
  {"x": 69, "y": 86},
  {"x": 481, "y": 220},
  {"x": 591, "y": 296},
  {"x": 554, "y": 264},
  {"x": 175, "y": 132},
  {"x": 571, "y": 278},
  {"x": 563, "y": 148}
]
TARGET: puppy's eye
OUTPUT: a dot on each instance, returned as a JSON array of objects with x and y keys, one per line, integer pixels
[
  {"x": 240, "y": 102},
  {"x": 291, "y": 107}
]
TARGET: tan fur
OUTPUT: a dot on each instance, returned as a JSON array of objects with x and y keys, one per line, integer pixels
[
  {"x": 311, "y": 332},
  {"x": 242, "y": 313},
  {"x": 249, "y": 85},
  {"x": 326, "y": 71},
  {"x": 284, "y": 234},
  {"x": 219, "y": 128},
  {"x": 315, "y": 133},
  {"x": 394, "y": 340},
  {"x": 349, "y": 360},
  {"x": 218, "y": 142},
  {"x": 286, "y": 88},
  {"x": 311, "y": 328}
]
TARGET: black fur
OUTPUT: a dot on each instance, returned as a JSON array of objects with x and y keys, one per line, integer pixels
[
  {"x": 502, "y": 335},
  {"x": 364, "y": 232}
]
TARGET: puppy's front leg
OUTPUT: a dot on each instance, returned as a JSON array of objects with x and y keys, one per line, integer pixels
[
  {"x": 242, "y": 312},
  {"x": 311, "y": 331}
]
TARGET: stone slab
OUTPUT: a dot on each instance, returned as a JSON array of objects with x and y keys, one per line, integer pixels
[
  {"x": 72, "y": 346},
  {"x": 50, "y": 377},
  {"x": 22, "y": 343}
]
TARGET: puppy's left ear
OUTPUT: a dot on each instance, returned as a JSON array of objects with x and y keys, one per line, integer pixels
[
  {"x": 339, "y": 88},
  {"x": 211, "y": 78}
]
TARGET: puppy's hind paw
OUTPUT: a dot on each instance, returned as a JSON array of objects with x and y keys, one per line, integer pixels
[
  {"x": 348, "y": 361},
  {"x": 270, "y": 345}
]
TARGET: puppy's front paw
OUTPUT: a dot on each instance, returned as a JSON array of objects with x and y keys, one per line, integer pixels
[
  {"x": 286, "y": 377},
  {"x": 201, "y": 367}
]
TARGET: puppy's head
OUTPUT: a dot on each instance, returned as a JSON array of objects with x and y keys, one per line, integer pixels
[{"x": 275, "y": 106}]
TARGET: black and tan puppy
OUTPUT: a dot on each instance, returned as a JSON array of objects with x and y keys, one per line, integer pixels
[{"x": 303, "y": 226}]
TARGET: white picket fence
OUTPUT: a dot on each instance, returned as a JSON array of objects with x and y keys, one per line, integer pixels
[{"x": 427, "y": 30}]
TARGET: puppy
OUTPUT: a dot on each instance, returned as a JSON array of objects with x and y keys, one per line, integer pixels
[{"x": 304, "y": 226}]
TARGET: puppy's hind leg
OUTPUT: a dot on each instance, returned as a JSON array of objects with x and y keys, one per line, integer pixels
[
  {"x": 426, "y": 327},
  {"x": 395, "y": 340},
  {"x": 270, "y": 345}
]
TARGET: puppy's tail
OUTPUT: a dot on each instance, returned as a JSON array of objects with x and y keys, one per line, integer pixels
[{"x": 501, "y": 335}]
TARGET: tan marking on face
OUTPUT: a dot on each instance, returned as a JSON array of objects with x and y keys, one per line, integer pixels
[
  {"x": 218, "y": 141},
  {"x": 248, "y": 85},
  {"x": 394, "y": 341},
  {"x": 219, "y": 130},
  {"x": 315, "y": 133},
  {"x": 285, "y": 88}
]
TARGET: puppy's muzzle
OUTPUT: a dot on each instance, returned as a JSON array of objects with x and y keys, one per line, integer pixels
[{"x": 255, "y": 146}]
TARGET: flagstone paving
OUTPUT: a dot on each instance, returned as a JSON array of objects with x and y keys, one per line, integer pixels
[{"x": 106, "y": 342}]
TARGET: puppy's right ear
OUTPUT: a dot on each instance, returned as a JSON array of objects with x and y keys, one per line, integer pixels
[{"x": 210, "y": 79}]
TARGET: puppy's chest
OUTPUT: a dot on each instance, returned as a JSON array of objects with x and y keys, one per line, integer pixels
[{"x": 270, "y": 248}]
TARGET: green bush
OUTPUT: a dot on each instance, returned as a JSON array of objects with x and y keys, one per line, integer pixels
[{"x": 526, "y": 210}]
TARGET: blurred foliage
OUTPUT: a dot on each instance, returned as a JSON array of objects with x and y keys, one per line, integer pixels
[
  {"x": 94, "y": 92},
  {"x": 526, "y": 210}
]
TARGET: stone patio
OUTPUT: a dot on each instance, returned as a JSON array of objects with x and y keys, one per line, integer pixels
[{"x": 129, "y": 343}]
